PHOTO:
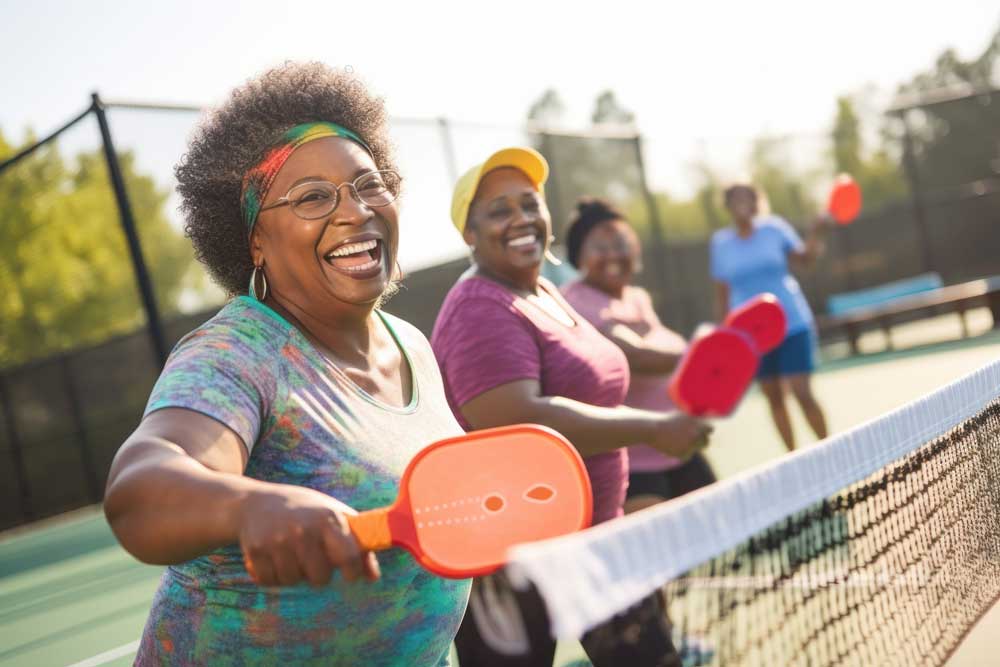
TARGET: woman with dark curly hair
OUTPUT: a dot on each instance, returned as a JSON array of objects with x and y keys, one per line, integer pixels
[
  {"x": 292, "y": 407},
  {"x": 602, "y": 245}
]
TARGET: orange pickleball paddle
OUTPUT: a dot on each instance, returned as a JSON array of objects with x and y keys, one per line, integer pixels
[
  {"x": 844, "y": 204},
  {"x": 464, "y": 501}
]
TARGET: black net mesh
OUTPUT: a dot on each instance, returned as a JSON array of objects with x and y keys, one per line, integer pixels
[{"x": 894, "y": 570}]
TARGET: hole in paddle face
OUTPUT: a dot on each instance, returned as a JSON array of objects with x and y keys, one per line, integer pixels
[
  {"x": 540, "y": 493},
  {"x": 493, "y": 503}
]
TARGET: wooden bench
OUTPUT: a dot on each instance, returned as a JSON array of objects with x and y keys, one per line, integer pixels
[{"x": 956, "y": 298}]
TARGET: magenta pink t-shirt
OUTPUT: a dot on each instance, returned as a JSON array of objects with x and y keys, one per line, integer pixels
[
  {"x": 649, "y": 392},
  {"x": 486, "y": 336}
]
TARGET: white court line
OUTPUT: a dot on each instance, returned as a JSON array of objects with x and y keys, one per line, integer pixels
[{"x": 108, "y": 656}]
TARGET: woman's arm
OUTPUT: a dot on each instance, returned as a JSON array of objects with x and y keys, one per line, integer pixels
[
  {"x": 815, "y": 244},
  {"x": 591, "y": 429},
  {"x": 644, "y": 357},
  {"x": 176, "y": 491},
  {"x": 721, "y": 301}
]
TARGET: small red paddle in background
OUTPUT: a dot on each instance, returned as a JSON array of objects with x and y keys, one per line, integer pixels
[
  {"x": 464, "y": 501},
  {"x": 845, "y": 200},
  {"x": 720, "y": 364}
]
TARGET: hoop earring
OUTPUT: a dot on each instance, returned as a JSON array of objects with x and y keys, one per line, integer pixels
[
  {"x": 399, "y": 272},
  {"x": 253, "y": 283}
]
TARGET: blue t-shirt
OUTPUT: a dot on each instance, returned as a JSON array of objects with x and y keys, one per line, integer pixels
[{"x": 759, "y": 263}]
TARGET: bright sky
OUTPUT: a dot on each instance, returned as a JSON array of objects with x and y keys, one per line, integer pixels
[{"x": 697, "y": 74}]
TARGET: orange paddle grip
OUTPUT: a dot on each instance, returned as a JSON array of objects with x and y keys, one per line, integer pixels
[{"x": 371, "y": 529}]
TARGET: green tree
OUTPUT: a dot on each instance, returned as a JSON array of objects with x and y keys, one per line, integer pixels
[
  {"x": 596, "y": 166},
  {"x": 846, "y": 138},
  {"x": 786, "y": 188},
  {"x": 548, "y": 109},
  {"x": 64, "y": 265},
  {"x": 877, "y": 173},
  {"x": 607, "y": 109}
]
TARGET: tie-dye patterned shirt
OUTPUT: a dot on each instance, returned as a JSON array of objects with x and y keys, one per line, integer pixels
[{"x": 305, "y": 423}]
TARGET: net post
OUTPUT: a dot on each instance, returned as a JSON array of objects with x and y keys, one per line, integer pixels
[{"x": 131, "y": 236}]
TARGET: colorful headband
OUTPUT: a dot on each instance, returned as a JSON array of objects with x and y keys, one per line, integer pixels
[{"x": 258, "y": 180}]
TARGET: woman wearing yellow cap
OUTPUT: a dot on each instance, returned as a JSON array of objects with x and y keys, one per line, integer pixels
[{"x": 511, "y": 350}]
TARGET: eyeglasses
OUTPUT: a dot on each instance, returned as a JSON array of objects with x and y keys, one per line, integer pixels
[{"x": 317, "y": 199}]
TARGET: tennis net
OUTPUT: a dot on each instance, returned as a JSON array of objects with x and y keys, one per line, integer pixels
[{"x": 877, "y": 546}]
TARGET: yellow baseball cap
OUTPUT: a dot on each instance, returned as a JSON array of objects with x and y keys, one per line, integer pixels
[{"x": 527, "y": 160}]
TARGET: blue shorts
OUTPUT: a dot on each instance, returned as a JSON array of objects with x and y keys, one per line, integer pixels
[{"x": 794, "y": 356}]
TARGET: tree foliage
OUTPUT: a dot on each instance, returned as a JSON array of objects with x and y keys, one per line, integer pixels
[
  {"x": 64, "y": 265},
  {"x": 584, "y": 165},
  {"x": 951, "y": 145},
  {"x": 954, "y": 141},
  {"x": 877, "y": 172}
]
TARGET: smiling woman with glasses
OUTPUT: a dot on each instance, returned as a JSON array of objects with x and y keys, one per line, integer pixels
[{"x": 299, "y": 403}]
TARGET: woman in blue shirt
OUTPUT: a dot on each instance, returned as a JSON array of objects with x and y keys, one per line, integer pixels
[{"x": 752, "y": 257}]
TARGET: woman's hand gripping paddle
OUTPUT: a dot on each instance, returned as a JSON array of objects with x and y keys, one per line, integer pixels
[
  {"x": 720, "y": 364},
  {"x": 464, "y": 501}
]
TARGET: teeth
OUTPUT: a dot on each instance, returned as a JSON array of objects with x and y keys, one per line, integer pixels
[
  {"x": 353, "y": 248},
  {"x": 367, "y": 266},
  {"x": 523, "y": 240}
]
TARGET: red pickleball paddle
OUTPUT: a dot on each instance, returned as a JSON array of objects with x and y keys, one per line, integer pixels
[
  {"x": 714, "y": 373},
  {"x": 464, "y": 501},
  {"x": 719, "y": 365},
  {"x": 845, "y": 200},
  {"x": 763, "y": 319}
]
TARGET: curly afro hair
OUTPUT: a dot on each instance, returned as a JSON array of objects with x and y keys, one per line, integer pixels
[
  {"x": 590, "y": 212},
  {"x": 234, "y": 137}
]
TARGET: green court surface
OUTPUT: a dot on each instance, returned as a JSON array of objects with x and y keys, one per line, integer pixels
[{"x": 70, "y": 596}]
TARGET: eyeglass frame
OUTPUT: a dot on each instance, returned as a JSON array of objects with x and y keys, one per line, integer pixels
[{"x": 285, "y": 201}]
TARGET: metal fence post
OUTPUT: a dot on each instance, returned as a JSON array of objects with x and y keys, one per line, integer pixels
[
  {"x": 916, "y": 192},
  {"x": 16, "y": 453},
  {"x": 450, "y": 160},
  {"x": 131, "y": 236},
  {"x": 553, "y": 192}
]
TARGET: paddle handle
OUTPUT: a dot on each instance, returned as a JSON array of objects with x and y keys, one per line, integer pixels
[{"x": 371, "y": 529}]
